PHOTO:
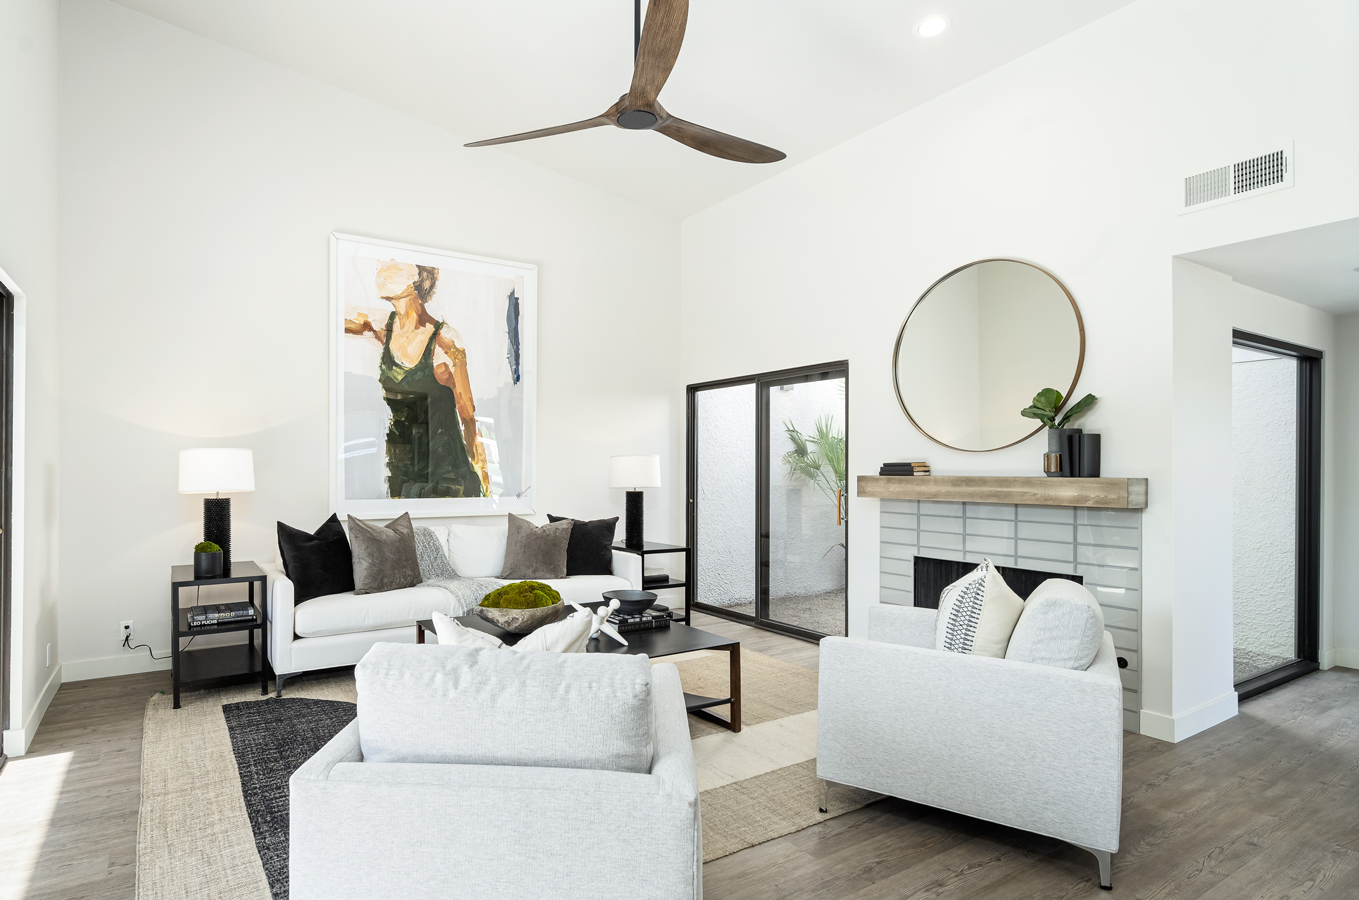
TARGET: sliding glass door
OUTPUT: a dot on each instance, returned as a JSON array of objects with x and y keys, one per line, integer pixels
[{"x": 768, "y": 501}]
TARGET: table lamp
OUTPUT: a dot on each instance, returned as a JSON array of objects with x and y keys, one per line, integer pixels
[
  {"x": 217, "y": 471},
  {"x": 634, "y": 472}
]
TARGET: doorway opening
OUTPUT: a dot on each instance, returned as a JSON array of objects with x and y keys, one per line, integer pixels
[
  {"x": 1276, "y": 511},
  {"x": 768, "y": 499}
]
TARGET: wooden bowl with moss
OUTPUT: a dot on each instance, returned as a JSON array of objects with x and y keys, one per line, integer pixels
[{"x": 521, "y": 607}]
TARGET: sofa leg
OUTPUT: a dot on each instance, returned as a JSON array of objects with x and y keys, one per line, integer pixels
[
  {"x": 1106, "y": 864},
  {"x": 825, "y": 793},
  {"x": 278, "y": 684}
]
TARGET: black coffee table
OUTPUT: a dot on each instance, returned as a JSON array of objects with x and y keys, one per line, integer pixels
[{"x": 656, "y": 644}]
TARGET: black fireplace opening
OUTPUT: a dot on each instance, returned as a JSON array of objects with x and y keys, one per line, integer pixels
[{"x": 932, "y": 575}]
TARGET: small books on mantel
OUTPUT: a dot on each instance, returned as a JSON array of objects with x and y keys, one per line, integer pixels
[
  {"x": 904, "y": 468},
  {"x": 221, "y": 614}
]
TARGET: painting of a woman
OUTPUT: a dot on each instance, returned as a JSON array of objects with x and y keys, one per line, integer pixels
[{"x": 433, "y": 449}]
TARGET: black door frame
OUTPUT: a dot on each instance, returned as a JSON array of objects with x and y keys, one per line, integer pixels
[
  {"x": 6, "y": 505},
  {"x": 761, "y": 382},
  {"x": 1308, "y": 532}
]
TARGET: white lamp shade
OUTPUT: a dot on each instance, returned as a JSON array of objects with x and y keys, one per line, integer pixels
[
  {"x": 634, "y": 471},
  {"x": 212, "y": 470}
]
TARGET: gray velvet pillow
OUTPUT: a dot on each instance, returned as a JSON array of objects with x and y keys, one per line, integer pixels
[
  {"x": 534, "y": 552},
  {"x": 384, "y": 555}
]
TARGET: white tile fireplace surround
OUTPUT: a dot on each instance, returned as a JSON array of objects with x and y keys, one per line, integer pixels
[{"x": 1104, "y": 546}]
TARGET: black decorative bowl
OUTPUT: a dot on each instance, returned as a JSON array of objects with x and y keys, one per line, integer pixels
[{"x": 632, "y": 603}]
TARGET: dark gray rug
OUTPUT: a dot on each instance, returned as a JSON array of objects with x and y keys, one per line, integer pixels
[{"x": 271, "y": 739}]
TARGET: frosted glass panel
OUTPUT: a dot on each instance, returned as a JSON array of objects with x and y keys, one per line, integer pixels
[{"x": 724, "y": 446}]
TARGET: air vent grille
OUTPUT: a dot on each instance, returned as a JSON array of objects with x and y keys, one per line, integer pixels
[{"x": 1258, "y": 174}]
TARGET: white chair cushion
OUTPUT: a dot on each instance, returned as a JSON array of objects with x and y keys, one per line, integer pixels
[
  {"x": 349, "y": 612},
  {"x": 583, "y": 588},
  {"x": 465, "y": 706},
  {"x": 477, "y": 551},
  {"x": 977, "y": 613},
  {"x": 1062, "y": 626}
]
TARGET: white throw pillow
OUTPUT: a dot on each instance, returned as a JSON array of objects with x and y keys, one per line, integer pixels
[
  {"x": 477, "y": 551},
  {"x": 977, "y": 613},
  {"x": 452, "y": 633},
  {"x": 1062, "y": 626}
]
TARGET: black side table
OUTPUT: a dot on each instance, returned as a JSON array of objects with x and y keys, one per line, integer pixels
[
  {"x": 650, "y": 548},
  {"x": 204, "y": 667}
]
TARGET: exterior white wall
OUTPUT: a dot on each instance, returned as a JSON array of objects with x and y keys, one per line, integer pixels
[
  {"x": 1071, "y": 157},
  {"x": 725, "y": 562},
  {"x": 199, "y": 187},
  {"x": 1264, "y": 505},
  {"x": 29, "y": 261}
]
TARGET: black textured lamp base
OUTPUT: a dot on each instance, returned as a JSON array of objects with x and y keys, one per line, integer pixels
[
  {"x": 217, "y": 527},
  {"x": 632, "y": 533}
]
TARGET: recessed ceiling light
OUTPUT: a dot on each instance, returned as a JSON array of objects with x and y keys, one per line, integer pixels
[{"x": 932, "y": 26}]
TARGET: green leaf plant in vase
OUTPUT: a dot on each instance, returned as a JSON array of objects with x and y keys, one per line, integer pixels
[
  {"x": 1065, "y": 444},
  {"x": 207, "y": 560}
]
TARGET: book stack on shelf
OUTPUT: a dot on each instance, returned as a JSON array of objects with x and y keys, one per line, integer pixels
[
  {"x": 905, "y": 468},
  {"x": 656, "y": 617},
  {"x": 654, "y": 578},
  {"x": 215, "y": 614}
]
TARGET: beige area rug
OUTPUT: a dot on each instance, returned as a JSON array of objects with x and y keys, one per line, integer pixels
[{"x": 194, "y": 838}]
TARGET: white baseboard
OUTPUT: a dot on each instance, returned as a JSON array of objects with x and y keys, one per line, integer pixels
[
  {"x": 1343, "y": 656},
  {"x": 1327, "y": 659},
  {"x": 1187, "y": 724},
  {"x": 110, "y": 666},
  {"x": 17, "y": 740}
]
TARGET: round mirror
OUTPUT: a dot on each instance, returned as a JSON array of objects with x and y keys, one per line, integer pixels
[{"x": 978, "y": 345}]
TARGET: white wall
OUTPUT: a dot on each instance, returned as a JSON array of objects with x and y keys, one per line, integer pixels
[
  {"x": 1071, "y": 157},
  {"x": 1344, "y": 388},
  {"x": 1264, "y": 504},
  {"x": 29, "y": 260},
  {"x": 199, "y": 187}
]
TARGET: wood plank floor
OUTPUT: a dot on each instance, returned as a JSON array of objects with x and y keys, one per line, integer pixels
[{"x": 1263, "y": 806}]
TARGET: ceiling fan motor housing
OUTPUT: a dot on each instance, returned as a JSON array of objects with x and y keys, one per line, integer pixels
[{"x": 637, "y": 120}]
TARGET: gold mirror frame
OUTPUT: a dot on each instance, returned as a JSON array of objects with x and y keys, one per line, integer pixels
[{"x": 901, "y": 333}]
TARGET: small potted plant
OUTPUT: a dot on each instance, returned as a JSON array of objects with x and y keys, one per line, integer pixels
[
  {"x": 1062, "y": 441},
  {"x": 207, "y": 560}
]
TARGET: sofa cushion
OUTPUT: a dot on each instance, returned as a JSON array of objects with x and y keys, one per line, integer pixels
[
  {"x": 977, "y": 613},
  {"x": 349, "y": 612},
  {"x": 466, "y": 706},
  {"x": 590, "y": 550},
  {"x": 477, "y": 551},
  {"x": 1062, "y": 625},
  {"x": 536, "y": 551},
  {"x": 384, "y": 555},
  {"x": 317, "y": 564}
]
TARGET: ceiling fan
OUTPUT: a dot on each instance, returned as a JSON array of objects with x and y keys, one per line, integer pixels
[{"x": 656, "y": 47}]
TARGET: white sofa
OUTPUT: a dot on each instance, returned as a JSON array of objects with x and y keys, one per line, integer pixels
[
  {"x": 1034, "y": 747},
  {"x": 494, "y": 774},
  {"x": 337, "y": 629}
]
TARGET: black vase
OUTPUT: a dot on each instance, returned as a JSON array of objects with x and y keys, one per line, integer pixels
[
  {"x": 207, "y": 565},
  {"x": 1089, "y": 456},
  {"x": 1067, "y": 442}
]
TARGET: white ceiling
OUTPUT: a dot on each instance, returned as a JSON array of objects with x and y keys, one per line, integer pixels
[
  {"x": 798, "y": 75},
  {"x": 1318, "y": 267}
]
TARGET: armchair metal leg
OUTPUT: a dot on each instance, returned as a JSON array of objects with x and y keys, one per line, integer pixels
[
  {"x": 825, "y": 792},
  {"x": 1106, "y": 864},
  {"x": 279, "y": 678}
]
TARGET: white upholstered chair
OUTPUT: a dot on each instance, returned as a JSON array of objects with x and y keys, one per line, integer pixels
[{"x": 1035, "y": 747}]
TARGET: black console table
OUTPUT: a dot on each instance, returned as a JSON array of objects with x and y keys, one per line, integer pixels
[
  {"x": 203, "y": 667},
  {"x": 651, "y": 548}
]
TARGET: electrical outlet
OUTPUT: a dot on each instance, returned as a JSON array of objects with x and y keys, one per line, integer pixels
[{"x": 125, "y": 632}]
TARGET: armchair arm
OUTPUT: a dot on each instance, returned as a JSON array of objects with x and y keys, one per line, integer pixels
[
  {"x": 279, "y": 608},
  {"x": 629, "y": 566},
  {"x": 911, "y": 626},
  {"x": 1035, "y": 747}
]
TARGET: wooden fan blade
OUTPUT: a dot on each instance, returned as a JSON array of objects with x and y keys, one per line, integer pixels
[
  {"x": 547, "y": 132},
  {"x": 662, "y": 36},
  {"x": 715, "y": 143}
]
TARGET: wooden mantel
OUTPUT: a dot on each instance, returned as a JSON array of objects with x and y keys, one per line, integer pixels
[{"x": 1104, "y": 493}]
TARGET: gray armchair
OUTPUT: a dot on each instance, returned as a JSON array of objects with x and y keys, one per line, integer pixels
[
  {"x": 362, "y": 829},
  {"x": 1034, "y": 747}
]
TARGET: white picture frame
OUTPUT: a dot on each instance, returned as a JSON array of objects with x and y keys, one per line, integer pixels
[{"x": 362, "y": 468}]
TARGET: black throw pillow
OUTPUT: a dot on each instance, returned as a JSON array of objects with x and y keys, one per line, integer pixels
[
  {"x": 317, "y": 564},
  {"x": 590, "y": 550}
]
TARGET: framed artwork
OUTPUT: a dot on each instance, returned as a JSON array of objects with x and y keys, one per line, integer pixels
[{"x": 433, "y": 381}]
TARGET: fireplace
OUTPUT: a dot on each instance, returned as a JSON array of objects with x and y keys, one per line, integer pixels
[{"x": 933, "y": 575}]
